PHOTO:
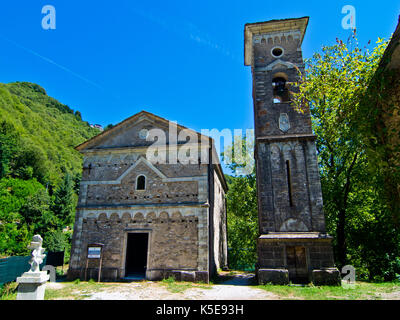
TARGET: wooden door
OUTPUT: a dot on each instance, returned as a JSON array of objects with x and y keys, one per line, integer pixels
[{"x": 297, "y": 264}]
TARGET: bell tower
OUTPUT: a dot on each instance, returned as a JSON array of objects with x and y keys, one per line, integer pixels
[{"x": 293, "y": 244}]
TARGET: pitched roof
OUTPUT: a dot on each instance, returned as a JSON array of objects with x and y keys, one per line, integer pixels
[
  {"x": 137, "y": 116},
  {"x": 131, "y": 119}
]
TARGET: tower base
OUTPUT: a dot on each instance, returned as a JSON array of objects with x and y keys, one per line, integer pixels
[{"x": 296, "y": 257}]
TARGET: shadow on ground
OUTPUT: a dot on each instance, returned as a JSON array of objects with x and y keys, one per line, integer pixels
[{"x": 235, "y": 278}]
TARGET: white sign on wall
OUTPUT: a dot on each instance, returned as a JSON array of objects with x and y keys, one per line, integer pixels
[{"x": 94, "y": 252}]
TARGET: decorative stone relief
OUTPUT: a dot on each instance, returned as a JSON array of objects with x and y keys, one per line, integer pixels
[
  {"x": 293, "y": 225},
  {"x": 143, "y": 134},
  {"x": 284, "y": 123}
]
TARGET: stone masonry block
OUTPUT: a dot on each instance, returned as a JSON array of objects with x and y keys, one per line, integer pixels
[
  {"x": 202, "y": 276},
  {"x": 177, "y": 275},
  {"x": 274, "y": 276},
  {"x": 326, "y": 277},
  {"x": 188, "y": 276}
]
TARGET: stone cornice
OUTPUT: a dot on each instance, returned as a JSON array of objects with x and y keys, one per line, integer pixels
[
  {"x": 143, "y": 149},
  {"x": 165, "y": 179},
  {"x": 143, "y": 206},
  {"x": 277, "y": 63},
  {"x": 272, "y": 27},
  {"x": 287, "y": 137}
]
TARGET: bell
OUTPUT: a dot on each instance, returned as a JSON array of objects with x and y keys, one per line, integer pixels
[{"x": 280, "y": 86}]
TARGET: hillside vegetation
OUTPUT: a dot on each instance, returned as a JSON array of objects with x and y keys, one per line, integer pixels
[
  {"x": 48, "y": 130},
  {"x": 39, "y": 168}
]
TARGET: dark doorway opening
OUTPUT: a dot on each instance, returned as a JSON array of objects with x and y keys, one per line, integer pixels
[
  {"x": 297, "y": 264},
  {"x": 136, "y": 255}
]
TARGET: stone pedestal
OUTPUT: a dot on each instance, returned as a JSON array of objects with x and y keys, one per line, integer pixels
[
  {"x": 273, "y": 276},
  {"x": 178, "y": 275},
  {"x": 297, "y": 257},
  {"x": 32, "y": 285},
  {"x": 326, "y": 277}
]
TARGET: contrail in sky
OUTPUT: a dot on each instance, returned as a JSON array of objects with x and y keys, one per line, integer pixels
[
  {"x": 186, "y": 29},
  {"x": 53, "y": 63}
]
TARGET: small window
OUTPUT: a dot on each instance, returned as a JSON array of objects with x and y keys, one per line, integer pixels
[
  {"x": 277, "y": 52},
  {"x": 141, "y": 183},
  {"x": 289, "y": 182}
]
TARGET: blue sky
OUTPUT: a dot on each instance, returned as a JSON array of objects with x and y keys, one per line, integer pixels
[{"x": 182, "y": 60}]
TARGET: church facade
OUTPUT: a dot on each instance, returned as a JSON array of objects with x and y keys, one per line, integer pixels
[{"x": 151, "y": 219}]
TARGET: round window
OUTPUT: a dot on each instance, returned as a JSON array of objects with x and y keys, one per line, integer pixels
[
  {"x": 143, "y": 134},
  {"x": 277, "y": 52}
]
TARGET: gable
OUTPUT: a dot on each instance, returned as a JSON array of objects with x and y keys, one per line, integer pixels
[
  {"x": 278, "y": 64},
  {"x": 142, "y": 166},
  {"x": 132, "y": 133}
]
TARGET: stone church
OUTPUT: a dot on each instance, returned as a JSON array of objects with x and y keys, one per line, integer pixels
[
  {"x": 293, "y": 244},
  {"x": 150, "y": 220}
]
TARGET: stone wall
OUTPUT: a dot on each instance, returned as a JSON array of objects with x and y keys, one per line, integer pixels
[
  {"x": 177, "y": 240},
  {"x": 220, "y": 250},
  {"x": 265, "y": 69},
  {"x": 272, "y": 253},
  {"x": 111, "y": 179},
  {"x": 288, "y": 183},
  {"x": 175, "y": 208},
  {"x": 302, "y": 210}
]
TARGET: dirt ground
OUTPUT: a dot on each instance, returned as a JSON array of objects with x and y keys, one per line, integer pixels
[
  {"x": 239, "y": 286},
  {"x": 234, "y": 288},
  {"x": 153, "y": 291}
]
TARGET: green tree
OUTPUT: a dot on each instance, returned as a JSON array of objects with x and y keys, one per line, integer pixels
[
  {"x": 36, "y": 213},
  {"x": 63, "y": 204},
  {"x": 242, "y": 213},
  {"x": 8, "y": 146},
  {"x": 333, "y": 86},
  {"x": 15, "y": 198},
  {"x": 78, "y": 115},
  {"x": 242, "y": 221},
  {"x": 108, "y": 127},
  {"x": 55, "y": 240}
]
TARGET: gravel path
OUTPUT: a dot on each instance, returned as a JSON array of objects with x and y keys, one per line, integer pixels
[{"x": 236, "y": 288}]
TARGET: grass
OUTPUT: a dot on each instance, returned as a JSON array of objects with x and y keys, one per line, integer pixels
[
  {"x": 360, "y": 291},
  {"x": 76, "y": 290},
  {"x": 180, "y": 286},
  {"x": 8, "y": 291}
]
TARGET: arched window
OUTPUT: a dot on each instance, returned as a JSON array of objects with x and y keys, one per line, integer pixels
[
  {"x": 280, "y": 90},
  {"x": 141, "y": 183}
]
